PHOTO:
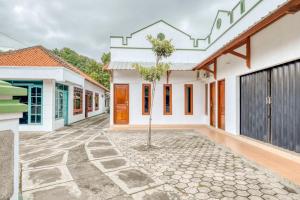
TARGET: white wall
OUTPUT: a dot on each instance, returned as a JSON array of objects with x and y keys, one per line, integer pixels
[
  {"x": 277, "y": 44},
  {"x": 95, "y": 89},
  {"x": 10, "y": 121},
  {"x": 50, "y": 76},
  {"x": 177, "y": 79}
]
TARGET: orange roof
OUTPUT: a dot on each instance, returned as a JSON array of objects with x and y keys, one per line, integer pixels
[{"x": 38, "y": 56}]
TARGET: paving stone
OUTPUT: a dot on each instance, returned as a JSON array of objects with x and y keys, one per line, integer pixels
[
  {"x": 255, "y": 197},
  {"x": 57, "y": 159},
  {"x": 229, "y": 194},
  {"x": 202, "y": 196},
  {"x": 242, "y": 193},
  {"x": 183, "y": 165}
]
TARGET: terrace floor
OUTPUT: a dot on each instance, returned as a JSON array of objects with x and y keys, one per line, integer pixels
[{"x": 88, "y": 161}]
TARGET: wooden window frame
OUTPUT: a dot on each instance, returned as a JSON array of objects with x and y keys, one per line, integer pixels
[
  {"x": 143, "y": 98},
  {"x": 164, "y": 100},
  {"x": 206, "y": 100},
  {"x": 75, "y": 110},
  {"x": 90, "y": 103},
  {"x": 186, "y": 101},
  {"x": 96, "y": 101}
]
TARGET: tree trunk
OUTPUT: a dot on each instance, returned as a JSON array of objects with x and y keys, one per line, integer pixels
[
  {"x": 150, "y": 118},
  {"x": 152, "y": 100}
]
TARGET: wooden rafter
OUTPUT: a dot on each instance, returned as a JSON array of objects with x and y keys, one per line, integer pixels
[
  {"x": 246, "y": 57},
  {"x": 233, "y": 52},
  {"x": 214, "y": 71}
]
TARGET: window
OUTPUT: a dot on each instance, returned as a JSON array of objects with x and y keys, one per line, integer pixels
[
  {"x": 106, "y": 100},
  {"x": 96, "y": 101},
  {"x": 89, "y": 100},
  {"x": 167, "y": 99},
  {"x": 188, "y": 99},
  {"x": 33, "y": 100},
  {"x": 36, "y": 105},
  {"x": 146, "y": 101},
  {"x": 77, "y": 101},
  {"x": 61, "y": 100},
  {"x": 206, "y": 99}
]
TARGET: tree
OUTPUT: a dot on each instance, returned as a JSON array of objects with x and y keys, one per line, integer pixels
[
  {"x": 161, "y": 48},
  {"x": 105, "y": 58},
  {"x": 87, "y": 65}
]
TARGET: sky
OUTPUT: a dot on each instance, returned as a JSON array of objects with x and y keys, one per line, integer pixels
[{"x": 86, "y": 25}]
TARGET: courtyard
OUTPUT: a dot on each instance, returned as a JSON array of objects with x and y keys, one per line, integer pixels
[{"x": 86, "y": 160}]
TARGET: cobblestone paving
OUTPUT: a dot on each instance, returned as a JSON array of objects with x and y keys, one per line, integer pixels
[
  {"x": 84, "y": 161},
  {"x": 80, "y": 163},
  {"x": 58, "y": 165},
  {"x": 193, "y": 167}
]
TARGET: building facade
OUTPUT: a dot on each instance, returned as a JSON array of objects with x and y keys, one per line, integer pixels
[
  {"x": 58, "y": 93},
  {"x": 244, "y": 77}
]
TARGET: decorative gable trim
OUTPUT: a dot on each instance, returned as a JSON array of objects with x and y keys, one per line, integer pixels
[{"x": 209, "y": 40}]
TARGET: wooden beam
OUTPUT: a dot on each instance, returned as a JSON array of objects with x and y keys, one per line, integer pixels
[
  {"x": 238, "y": 54},
  {"x": 209, "y": 70},
  {"x": 215, "y": 69},
  {"x": 295, "y": 7},
  {"x": 248, "y": 52},
  {"x": 290, "y": 6}
]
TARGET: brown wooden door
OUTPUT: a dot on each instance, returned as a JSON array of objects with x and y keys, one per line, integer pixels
[
  {"x": 212, "y": 104},
  {"x": 221, "y": 104},
  {"x": 121, "y": 104}
]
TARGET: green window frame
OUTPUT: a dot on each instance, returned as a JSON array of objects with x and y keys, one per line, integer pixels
[
  {"x": 34, "y": 115},
  {"x": 59, "y": 100},
  {"x": 35, "y": 103}
]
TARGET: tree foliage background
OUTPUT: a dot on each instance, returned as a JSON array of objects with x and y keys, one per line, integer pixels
[{"x": 87, "y": 65}]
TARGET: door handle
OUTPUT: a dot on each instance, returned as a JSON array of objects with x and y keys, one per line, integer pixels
[{"x": 268, "y": 100}]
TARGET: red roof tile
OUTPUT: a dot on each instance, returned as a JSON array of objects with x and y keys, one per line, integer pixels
[{"x": 38, "y": 56}]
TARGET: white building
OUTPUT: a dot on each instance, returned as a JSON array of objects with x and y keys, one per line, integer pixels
[
  {"x": 251, "y": 55},
  {"x": 58, "y": 93}
]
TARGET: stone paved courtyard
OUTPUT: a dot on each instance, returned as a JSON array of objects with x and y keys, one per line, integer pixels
[{"x": 85, "y": 161}]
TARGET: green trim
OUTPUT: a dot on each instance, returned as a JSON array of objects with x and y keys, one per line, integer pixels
[
  {"x": 147, "y": 48},
  {"x": 195, "y": 41},
  {"x": 12, "y": 106},
  {"x": 4, "y": 83},
  {"x": 234, "y": 23},
  {"x": 219, "y": 23},
  {"x": 6, "y": 89},
  {"x": 242, "y": 4},
  {"x": 125, "y": 38}
]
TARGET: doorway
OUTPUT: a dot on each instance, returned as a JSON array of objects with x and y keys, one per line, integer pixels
[
  {"x": 270, "y": 109},
  {"x": 121, "y": 103},
  {"x": 221, "y": 104},
  {"x": 88, "y": 102},
  {"x": 212, "y": 90}
]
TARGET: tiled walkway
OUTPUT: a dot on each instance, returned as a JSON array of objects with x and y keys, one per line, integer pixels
[
  {"x": 201, "y": 169},
  {"x": 85, "y": 161}
]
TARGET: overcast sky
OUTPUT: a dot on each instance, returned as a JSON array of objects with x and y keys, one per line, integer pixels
[{"x": 85, "y": 25}]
